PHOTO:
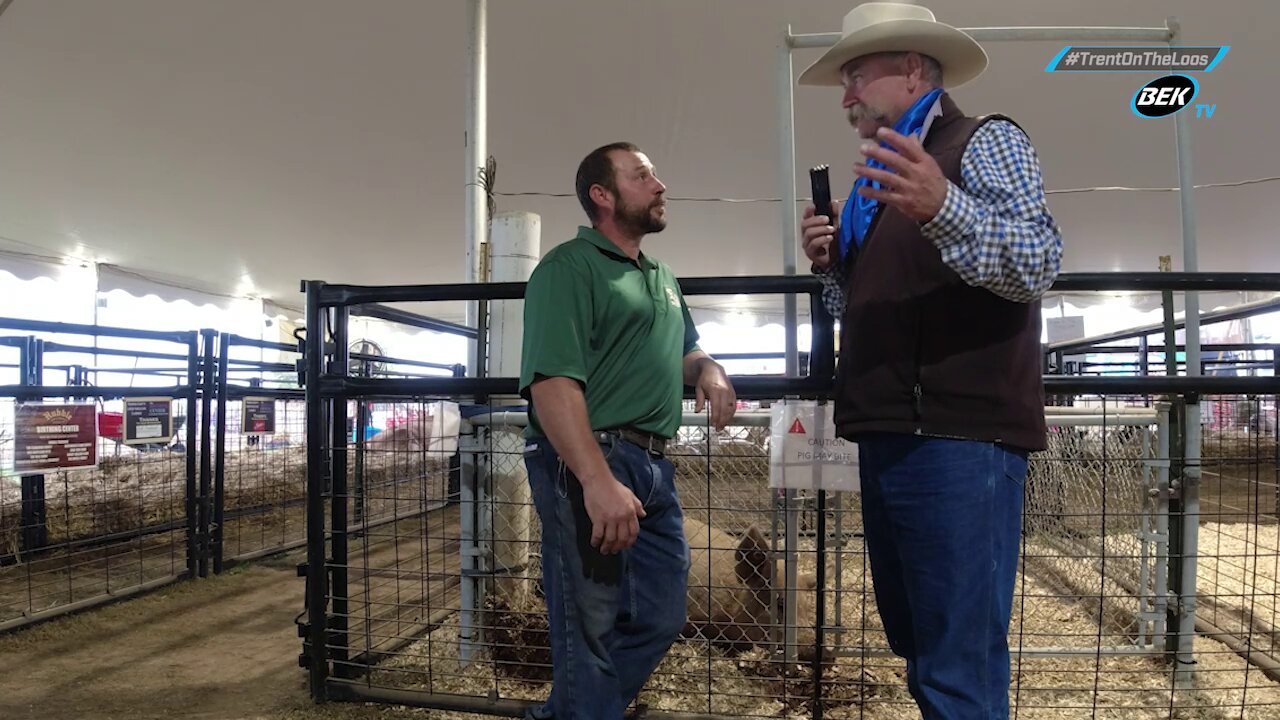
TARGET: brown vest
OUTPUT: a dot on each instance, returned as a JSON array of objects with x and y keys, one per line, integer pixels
[{"x": 923, "y": 352}]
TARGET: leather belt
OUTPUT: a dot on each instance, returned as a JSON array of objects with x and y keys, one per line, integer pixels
[{"x": 653, "y": 444}]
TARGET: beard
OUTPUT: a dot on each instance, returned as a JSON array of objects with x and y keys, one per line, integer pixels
[
  {"x": 866, "y": 118},
  {"x": 642, "y": 220}
]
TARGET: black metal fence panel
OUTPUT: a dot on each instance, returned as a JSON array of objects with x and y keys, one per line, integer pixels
[
  {"x": 99, "y": 497},
  {"x": 1143, "y": 587}
]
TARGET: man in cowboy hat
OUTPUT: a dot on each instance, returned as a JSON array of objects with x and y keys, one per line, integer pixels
[{"x": 935, "y": 268}]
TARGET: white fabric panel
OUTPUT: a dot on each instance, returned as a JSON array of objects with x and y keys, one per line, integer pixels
[
  {"x": 279, "y": 310},
  {"x": 111, "y": 277},
  {"x": 30, "y": 267}
]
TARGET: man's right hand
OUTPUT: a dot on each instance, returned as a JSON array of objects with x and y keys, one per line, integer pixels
[
  {"x": 611, "y": 507},
  {"x": 614, "y": 511},
  {"x": 817, "y": 235}
]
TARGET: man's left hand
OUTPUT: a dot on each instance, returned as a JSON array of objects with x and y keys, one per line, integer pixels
[
  {"x": 716, "y": 392},
  {"x": 913, "y": 182}
]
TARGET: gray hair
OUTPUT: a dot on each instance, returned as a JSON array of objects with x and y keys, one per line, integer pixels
[{"x": 931, "y": 69}]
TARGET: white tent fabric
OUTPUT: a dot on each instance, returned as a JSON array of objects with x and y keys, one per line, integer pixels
[
  {"x": 321, "y": 139},
  {"x": 25, "y": 266},
  {"x": 111, "y": 277}
]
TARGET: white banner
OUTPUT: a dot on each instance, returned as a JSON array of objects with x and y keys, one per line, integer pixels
[{"x": 804, "y": 452}]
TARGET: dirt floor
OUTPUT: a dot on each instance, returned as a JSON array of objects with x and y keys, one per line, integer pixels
[
  {"x": 222, "y": 648},
  {"x": 226, "y": 648}
]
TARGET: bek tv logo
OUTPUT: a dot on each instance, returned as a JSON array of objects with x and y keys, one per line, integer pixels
[{"x": 1166, "y": 95}]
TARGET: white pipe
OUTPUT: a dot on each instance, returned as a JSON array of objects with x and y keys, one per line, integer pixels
[
  {"x": 1146, "y": 533},
  {"x": 1161, "y": 589},
  {"x": 786, "y": 124},
  {"x": 1101, "y": 420},
  {"x": 1002, "y": 34},
  {"x": 514, "y": 249},
  {"x": 1111, "y": 650},
  {"x": 468, "y": 633},
  {"x": 763, "y": 419},
  {"x": 1064, "y": 410},
  {"x": 1186, "y": 197},
  {"x": 1185, "y": 676},
  {"x": 475, "y": 143}
]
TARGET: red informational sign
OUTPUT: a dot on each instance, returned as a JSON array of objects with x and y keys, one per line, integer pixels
[{"x": 54, "y": 437}]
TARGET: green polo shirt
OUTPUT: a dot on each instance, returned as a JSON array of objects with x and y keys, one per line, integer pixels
[{"x": 618, "y": 326}]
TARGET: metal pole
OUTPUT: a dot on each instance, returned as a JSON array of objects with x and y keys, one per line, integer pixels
[
  {"x": 1186, "y": 198},
  {"x": 993, "y": 34},
  {"x": 475, "y": 141},
  {"x": 220, "y": 452},
  {"x": 820, "y": 638},
  {"x": 204, "y": 505},
  {"x": 34, "y": 513},
  {"x": 193, "y": 407},
  {"x": 317, "y": 577},
  {"x": 339, "y": 499},
  {"x": 787, "y": 177},
  {"x": 1161, "y": 589},
  {"x": 469, "y": 448},
  {"x": 1185, "y": 675}
]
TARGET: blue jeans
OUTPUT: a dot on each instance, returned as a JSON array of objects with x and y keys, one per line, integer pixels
[
  {"x": 612, "y": 617},
  {"x": 943, "y": 524}
]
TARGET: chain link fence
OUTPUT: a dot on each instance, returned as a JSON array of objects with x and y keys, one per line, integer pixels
[{"x": 1092, "y": 606}]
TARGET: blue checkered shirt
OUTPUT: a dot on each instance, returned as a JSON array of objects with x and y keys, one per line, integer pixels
[{"x": 994, "y": 230}]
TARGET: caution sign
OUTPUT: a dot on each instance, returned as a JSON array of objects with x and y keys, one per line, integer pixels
[
  {"x": 147, "y": 420},
  {"x": 54, "y": 437},
  {"x": 804, "y": 452}
]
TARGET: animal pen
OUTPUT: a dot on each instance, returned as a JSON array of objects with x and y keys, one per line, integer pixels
[
  {"x": 1146, "y": 587},
  {"x": 172, "y": 482}
]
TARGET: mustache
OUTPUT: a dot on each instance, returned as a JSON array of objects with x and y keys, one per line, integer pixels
[{"x": 864, "y": 112}]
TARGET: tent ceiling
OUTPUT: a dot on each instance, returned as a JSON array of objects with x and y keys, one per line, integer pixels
[{"x": 243, "y": 144}]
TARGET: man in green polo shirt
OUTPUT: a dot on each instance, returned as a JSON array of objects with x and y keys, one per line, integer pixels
[{"x": 608, "y": 350}]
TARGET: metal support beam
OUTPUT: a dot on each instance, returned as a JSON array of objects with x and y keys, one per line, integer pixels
[
  {"x": 476, "y": 144},
  {"x": 786, "y": 124},
  {"x": 1185, "y": 672},
  {"x": 1025, "y": 34}
]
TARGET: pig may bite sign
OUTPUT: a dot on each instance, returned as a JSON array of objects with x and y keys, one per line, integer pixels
[{"x": 804, "y": 452}]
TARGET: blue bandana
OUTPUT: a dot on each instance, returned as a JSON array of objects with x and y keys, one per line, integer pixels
[{"x": 858, "y": 211}]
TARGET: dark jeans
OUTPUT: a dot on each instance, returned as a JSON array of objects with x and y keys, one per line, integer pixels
[
  {"x": 612, "y": 617},
  {"x": 943, "y": 525}
]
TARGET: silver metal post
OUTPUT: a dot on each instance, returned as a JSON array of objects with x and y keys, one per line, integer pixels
[
  {"x": 787, "y": 171},
  {"x": 469, "y": 637},
  {"x": 787, "y": 177},
  {"x": 992, "y": 34},
  {"x": 1185, "y": 675},
  {"x": 1146, "y": 532},
  {"x": 475, "y": 141},
  {"x": 1161, "y": 564},
  {"x": 1186, "y": 199}
]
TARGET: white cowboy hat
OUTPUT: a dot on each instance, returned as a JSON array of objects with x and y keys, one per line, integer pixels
[{"x": 889, "y": 26}]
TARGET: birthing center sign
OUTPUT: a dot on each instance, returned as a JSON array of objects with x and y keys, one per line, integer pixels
[
  {"x": 804, "y": 452},
  {"x": 54, "y": 437}
]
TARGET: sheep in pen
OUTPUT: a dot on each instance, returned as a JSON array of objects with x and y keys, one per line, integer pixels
[{"x": 1091, "y": 607}]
